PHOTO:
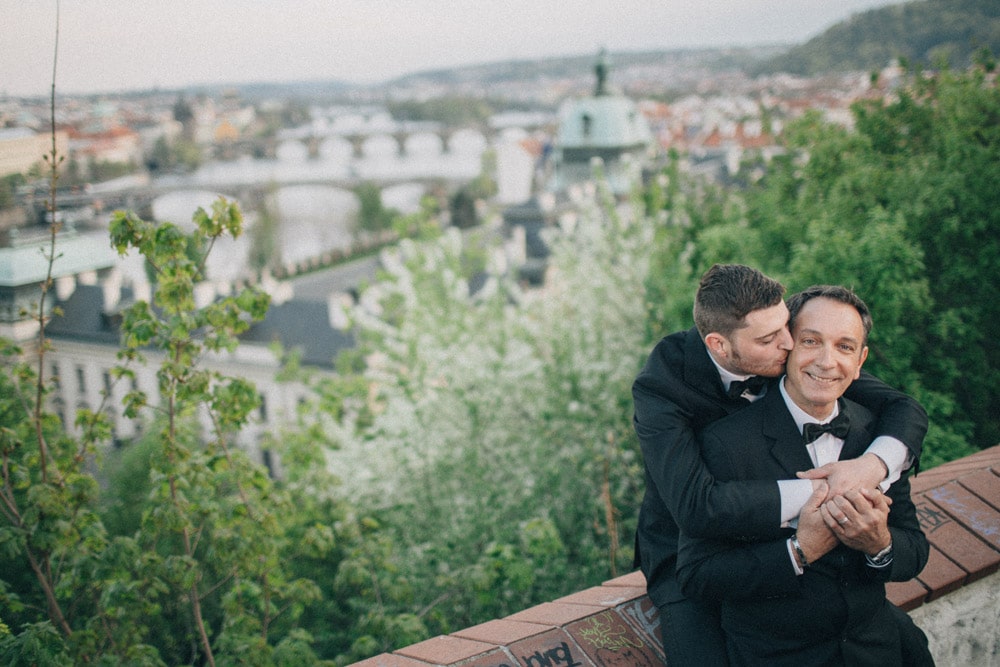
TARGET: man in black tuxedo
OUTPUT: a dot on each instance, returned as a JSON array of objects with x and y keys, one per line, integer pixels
[
  {"x": 815, "y": 595},
  {"x": 741, "y": 335}
]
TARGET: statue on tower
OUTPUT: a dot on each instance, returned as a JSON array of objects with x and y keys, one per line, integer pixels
[{"x": 601, "y": 70}]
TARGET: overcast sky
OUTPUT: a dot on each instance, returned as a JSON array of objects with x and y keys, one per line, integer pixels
[{"x": 115, "y": 45}]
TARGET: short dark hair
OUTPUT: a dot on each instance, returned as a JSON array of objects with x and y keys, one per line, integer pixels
[
  {"x": 836, "y": 293},
  {"x": 727, "y": 293}
]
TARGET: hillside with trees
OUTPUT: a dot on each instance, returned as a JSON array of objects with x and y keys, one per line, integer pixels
[{"x": 922, "y": 33}]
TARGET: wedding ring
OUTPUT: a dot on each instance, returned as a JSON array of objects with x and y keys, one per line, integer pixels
[{"x": 844, "y": 520}]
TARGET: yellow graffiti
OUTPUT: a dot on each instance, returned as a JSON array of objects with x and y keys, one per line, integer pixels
[{"x": 602, "y": 634}]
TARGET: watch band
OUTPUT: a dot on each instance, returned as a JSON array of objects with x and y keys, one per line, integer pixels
[
  {"x": 798, "y": 550},
  {"x": 883, "y": 557}
]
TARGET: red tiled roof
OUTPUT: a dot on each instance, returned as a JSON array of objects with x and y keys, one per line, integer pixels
[{"x": 958, "y": 505}]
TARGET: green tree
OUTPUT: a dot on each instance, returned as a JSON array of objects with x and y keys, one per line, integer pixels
[
  {"x": 178, "y": 154},
  {"x": 939, "y": 142},
  {"x": 505, "y": 473},
  {"x": 373, "y": 216},
  {"x": 922, "y": 33},
  {"x": 264, "y": 247},
  {"x": 902, "y": 209},
  {"x": 213, "y": 520},
  {"x": 105, "y": 170},
  {"x": 463, "y": 209},
  {"x": 450, "y": 110},
  {"x": 199, "y": 570},
  {"x": 8, "y": 189}
]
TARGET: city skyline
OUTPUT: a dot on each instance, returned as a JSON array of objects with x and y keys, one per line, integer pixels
[{"x": 116, "y": 46}]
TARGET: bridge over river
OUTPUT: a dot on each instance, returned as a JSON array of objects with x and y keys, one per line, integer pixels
[
  {"x": 250, "y": 195},
  {"x": 139, "y": 194},
  {"x": 311, "y": 202},
  {"x": 341, "y": 150}
]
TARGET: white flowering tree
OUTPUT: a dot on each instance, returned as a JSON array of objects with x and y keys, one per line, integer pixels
[{"x": 501, "y": 453}]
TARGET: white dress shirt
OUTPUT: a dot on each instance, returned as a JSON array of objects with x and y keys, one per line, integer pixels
[{"x": 795, "y": 492}]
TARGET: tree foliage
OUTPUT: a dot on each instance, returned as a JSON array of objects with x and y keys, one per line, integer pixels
[
  {"x": 198, "y": 569},
  {"x": 497, "y": 456},
  {"x": 373, "y": 215},
  {"x": 449, "y": 110},
  {"x": 179, "y": 154},
  {"x": 923, "y": 33},
  {"x": 8, "y": 187},
  {"x": 900, "y": 208}
]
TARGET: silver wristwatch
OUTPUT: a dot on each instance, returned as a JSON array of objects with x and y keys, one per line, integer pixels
[{"x": 882, "y": 557}]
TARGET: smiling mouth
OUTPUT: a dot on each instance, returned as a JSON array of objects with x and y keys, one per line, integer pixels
[{"x": 823, "y": 380}]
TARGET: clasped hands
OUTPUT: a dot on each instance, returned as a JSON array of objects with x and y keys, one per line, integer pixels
[{"x": 846, "y": 507}]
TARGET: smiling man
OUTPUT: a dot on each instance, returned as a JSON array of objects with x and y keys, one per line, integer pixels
[
  {"x": 831, "y": 333},
  {"x": 693, "y": 378},
  {"x": 815, "y": 595}
]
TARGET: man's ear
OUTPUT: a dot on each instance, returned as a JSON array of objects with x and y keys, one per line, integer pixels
[
  {"x": 717, "y": 343},
  {"x": 864, "y": 357}
]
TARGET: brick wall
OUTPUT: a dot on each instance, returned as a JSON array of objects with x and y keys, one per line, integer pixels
[{"x": 956, "y": 599}]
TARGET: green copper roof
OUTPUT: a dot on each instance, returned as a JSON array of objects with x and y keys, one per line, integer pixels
[
  {"x": 25, "y": 264},
  {"x": 605, "y": 121}
]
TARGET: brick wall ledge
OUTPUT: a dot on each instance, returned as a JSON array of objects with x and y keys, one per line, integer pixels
[{"x": 956, "y": 599}]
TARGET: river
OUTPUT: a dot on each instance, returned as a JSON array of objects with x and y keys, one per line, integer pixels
[{"x": 314, "y": 218}]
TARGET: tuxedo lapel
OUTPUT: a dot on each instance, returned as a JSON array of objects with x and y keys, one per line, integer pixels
[
  {"x": 787, "y": 447},
  {"x": 859, "y": 437}
]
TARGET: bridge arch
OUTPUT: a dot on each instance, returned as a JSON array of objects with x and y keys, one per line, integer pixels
[
  {"x": 466, "y": 140},
  {"x": 338, "y": 148},
  {"x": 422, "y": 144},
  {"x": 380, "y": 145},
  {"x": 293, "y": 151}
]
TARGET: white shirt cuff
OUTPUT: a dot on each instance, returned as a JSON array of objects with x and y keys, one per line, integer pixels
[
  {"x": 894, "y": 454},
  {"x": 794, "y": 493}
]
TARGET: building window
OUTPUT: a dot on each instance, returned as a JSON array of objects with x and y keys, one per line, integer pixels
[
  {"x": 81, "y": 380},
  {"x": 116, "y": 440},
  {"x": 59, "y": 407},
  {"x": 268, "y": 461},
  {"x": 587, "y": 123}
]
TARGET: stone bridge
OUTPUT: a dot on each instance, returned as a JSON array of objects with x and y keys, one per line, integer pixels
[
  {"x": 362, "y": 130},
  {"x": 366, "y": 134},
  {"x": 139, "y": 198}
]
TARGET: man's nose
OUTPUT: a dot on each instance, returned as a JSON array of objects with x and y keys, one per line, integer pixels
[
  {"x": 786, "y": 340},
  {"x": 824, "y": 357}
]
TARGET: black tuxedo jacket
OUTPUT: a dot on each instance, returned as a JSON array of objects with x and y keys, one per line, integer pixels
[
  {"x": 836, "y": 612},
  {"x": 678, "y": 393}
]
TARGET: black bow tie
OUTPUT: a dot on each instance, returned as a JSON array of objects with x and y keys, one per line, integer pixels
[
  {"x": 837, "y": 427},
  {"x": 753, "y": 384}
]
